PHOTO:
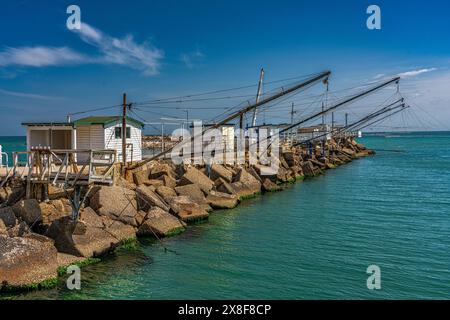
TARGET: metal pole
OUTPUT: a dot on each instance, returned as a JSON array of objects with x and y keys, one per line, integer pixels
[
  {"x": 162, "y": 136},
  {"x": 347, "y": 101},
  {"x": 294, "y": 88},
  {"x": 258, "y": 95},
  {"x": 124, "y": 130},
  {"x": 332, "y": 121}
]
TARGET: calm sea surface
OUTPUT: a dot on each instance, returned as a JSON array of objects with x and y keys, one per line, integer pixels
[{"x": 314, "y": 240}]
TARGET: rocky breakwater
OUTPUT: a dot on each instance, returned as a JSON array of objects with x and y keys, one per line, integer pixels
[{"x": 158, "y": 200}]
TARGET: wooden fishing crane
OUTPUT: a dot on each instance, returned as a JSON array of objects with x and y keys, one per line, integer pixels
[
  {"x": 239, "y": 113},
  {"x": 398, "y": 104}
]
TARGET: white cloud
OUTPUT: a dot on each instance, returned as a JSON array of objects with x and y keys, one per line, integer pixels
[
  {"x": 28, "y": 95},
  {"x": 125, "y": 51},
  {"x": 430, "y": 100},
  {"x": 40, "y": 56},
  {"x": 413, "y": 73},
  {"x": 121, "y": 51},
  {"x": 191, "y": 59},
  {"x": 378, "y": 76}
]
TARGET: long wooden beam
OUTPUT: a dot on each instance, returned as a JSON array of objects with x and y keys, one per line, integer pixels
[
  {"x": 362, "y": 121},
  {"x": 389, "y": 115},
  {"x": 340, "y": 104},
  {"x": 241, "y": 112}
]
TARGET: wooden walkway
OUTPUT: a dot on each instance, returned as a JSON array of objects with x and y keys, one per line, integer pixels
[{"x": 62, "y": 168}]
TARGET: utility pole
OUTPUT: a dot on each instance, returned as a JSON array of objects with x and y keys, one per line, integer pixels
[
  {"x": 258, "y": 95},
  {"x": 124, "y": 131},
  {"x": 323, "y": 129},
  {"x": 323, "y": 118},
  {"x": 251, "y": 107},
  {"x": 346, "y": 119},
  {"x": 332, "y": 121},
  {"x": 292, "y": 113},
  {"x": 292, "y": 120},
  {"x": 187, "y": 118},
  {"x": 342, "y": 103},
  {"x": 162, "y": 136}
]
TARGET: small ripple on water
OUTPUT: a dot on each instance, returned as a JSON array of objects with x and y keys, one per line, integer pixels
[{"x": 313, "y": 240}]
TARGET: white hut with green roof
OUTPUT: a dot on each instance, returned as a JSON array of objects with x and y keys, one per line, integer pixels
[{"x": 98, "y": 132}]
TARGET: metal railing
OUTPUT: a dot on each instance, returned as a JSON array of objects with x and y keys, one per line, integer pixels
[
  {"x": 65, "y": 168},
  {"x": 4, "y": 156}
]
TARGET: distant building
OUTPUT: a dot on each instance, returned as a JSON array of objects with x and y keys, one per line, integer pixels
[
  {"x": 227, "y": 131},
  {"x": 101, "y": 132},
  {"x": 320, "y": 132},
  {"x": 271, "y": 129}
]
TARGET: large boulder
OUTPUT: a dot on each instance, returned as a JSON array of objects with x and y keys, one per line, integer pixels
[
  {"x": 193, "y": 191},
  {"x": 290, "y": 158},
  {"x": 154, "y": 182},
  {"x": 147, "y": 198},
  {"x": 7, "y": 217},
  {"x": 244, "y": 186},
  {"x": 363, "y": 153},
  {"x": 297, "y": 171},
  {"x": 26, "y": 261},
  {"x": 120, "y": 231},
  {"x": 166, "y": 193},
  {"x": 224, "y": 186},
  {"x": 89, "y": 236},
  {"x": 92, "y": 219},
  {"x": 161, "y": 169},
  {"x": 270, "y": 186},
  {"x": 62, "y": 205},
  {"x": 10, "y": 195},
  {"x": 309, "y": 170},
  {"x": 242, "y": 190},
  {"x": 283, "y": 174},
  {"x": 141, "y": 177},
  {"x": 248, "y": 180},
  {"x": 283, "y": 163},
  {"x": 29, "y": 211},
  {"x": 187, "y": 210},
  {"x": 255, "y": 174},
  {"x": 4, "y": 194},
  {"x": 116, "y": 203},
  {"x": 335, "y": 160},
  {"x": 19, "y": 230},
  {"x": 349, "y": 152},
  {"x": 195, "y": 176},
  {"x": 317, "y": 163},
  {"x": 55, "y": 192},
  {"x": 219, "y": 171},
  {"x": 160, "y": 223},
  {"x": 169, "y": 181},
  {"x": 221, "y": 200},
  {"x": 52, "y": 211},
  {"x": 124, "y": 183},
  {"x": 65, "y": 260},
  {"x": 359, "y": 146},
  {"x": 3, "y": 228}
]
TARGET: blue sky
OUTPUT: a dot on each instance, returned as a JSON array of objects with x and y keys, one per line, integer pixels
[{"x": 157, "y": 49}]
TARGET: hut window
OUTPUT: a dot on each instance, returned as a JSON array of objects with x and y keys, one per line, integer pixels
[{"x": 118, "y": 132}]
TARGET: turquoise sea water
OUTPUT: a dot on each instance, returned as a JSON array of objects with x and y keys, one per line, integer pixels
[
  {"x": 11, "y": 144},
  {"x": 314, "y": 240}
]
